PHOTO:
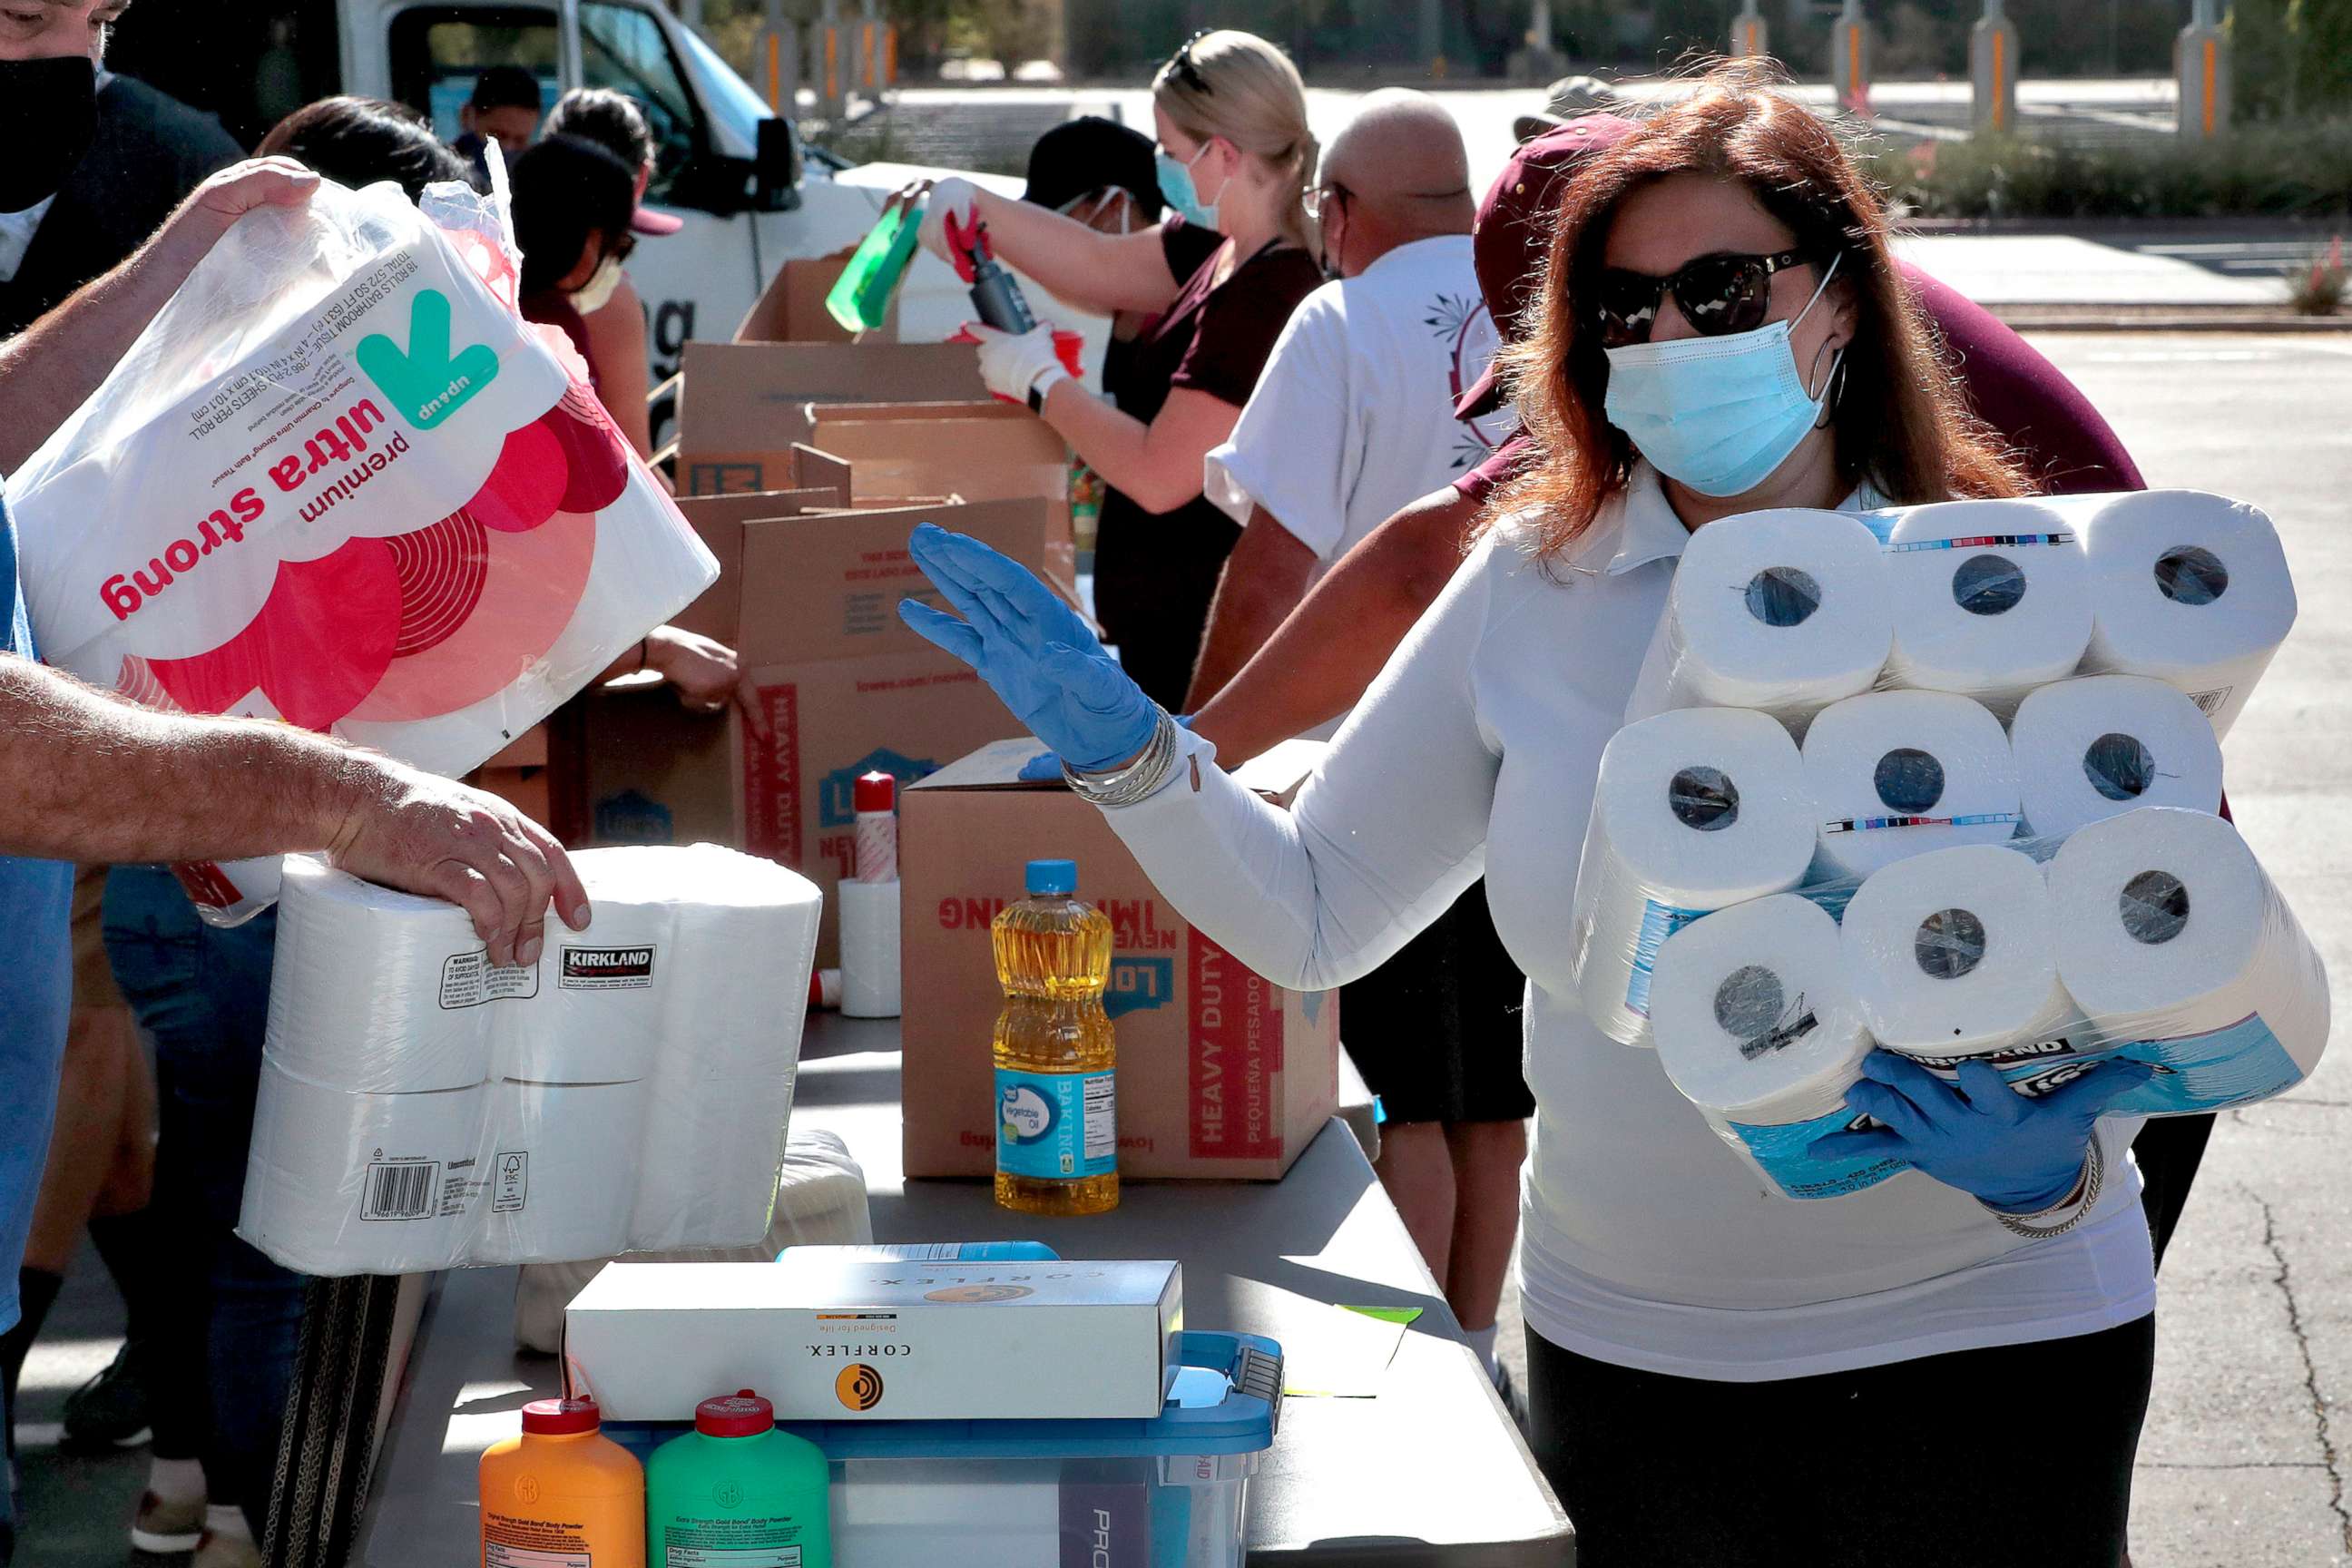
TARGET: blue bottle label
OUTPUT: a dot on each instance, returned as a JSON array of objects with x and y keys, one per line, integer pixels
[
  {"x": 1781, "y": 1152},
  {"x": 1059, "y": 1126}
]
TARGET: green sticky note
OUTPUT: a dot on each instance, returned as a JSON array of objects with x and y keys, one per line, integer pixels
[{"x": 1400, "y": 1315}]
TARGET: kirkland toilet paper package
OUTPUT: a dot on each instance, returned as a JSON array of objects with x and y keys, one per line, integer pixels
[
  {"x": 339, "y": 481},
  {"x": 1785, "y": 611},
  {"x": 2097, "y": 747},
  {"x": 1756, "y": 1024},
  {"x": 1990, "y": 599},
  {"x": 421, "y": 1108},
  {"x": 1896, "y": 774},
  {"x": 1955, "y": 953},
  {"x": 2180, "y": 950},
  {"x": 2188, "y": 588},
  {"x": 1695, "y": 809}
]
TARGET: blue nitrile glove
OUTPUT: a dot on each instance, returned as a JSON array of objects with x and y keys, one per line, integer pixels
[
  {"x": 1046, "y": 768},
  {"x": 2009, "y": 1152},
  {"x": 1031, "y": 650}
]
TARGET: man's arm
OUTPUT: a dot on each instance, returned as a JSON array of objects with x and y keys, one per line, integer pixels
[
  {"x": 1263, "y": 579},
  {"x": 49, "y": 370},
  {"x": 1325, "y": 654},
  {"x": 88, "y": 777}
]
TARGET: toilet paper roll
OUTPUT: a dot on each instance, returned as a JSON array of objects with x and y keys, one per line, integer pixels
[
  {"x": 558, "y": 1171},
  {"x": 1785, "y": 611},
  {"x": 2188, "y": 588},
  {"x": 2180, "y": 950},
  {"x": 1897, "y": 773},
  {"x": 380, "y": 992},
  {"x": 1955, "y": 953},
  {"x": 1694, "y": 809},
  {"x": 869, "y": 949},
  {"x": 1990, "y": 599},
  {"x": 713, "y": 1150},
  {"x": 2090, "y": 749},
  {"x": 746, "y": 950},
  {"x": 337, "y": 1182},
  {"x": 1756, "y": 1026}
]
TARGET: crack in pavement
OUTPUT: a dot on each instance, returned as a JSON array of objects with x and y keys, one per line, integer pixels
[
  {"x": 2247, "y": 1465},
  {"x": 2284, "y": 1280}
]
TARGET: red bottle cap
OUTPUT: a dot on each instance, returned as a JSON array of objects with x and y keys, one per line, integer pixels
[
  {"x": 561, "y": 1418},
  {"x": 738, "y": 1415},
  {"x": 873, "y": 791}
]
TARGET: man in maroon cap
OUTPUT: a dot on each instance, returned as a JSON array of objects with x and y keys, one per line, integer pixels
[{"x": 1328, "y": 651}]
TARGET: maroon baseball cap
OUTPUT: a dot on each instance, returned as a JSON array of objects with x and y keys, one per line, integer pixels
[{"x": 1514, "y": 230}]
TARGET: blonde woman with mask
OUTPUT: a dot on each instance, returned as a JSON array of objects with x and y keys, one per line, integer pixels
[{"x": 1220, "y": 275}]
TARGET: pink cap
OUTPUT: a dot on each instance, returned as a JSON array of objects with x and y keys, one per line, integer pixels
[
  {"x": 743, "y": 1414},
  {"x": 561, "y": 1418}
]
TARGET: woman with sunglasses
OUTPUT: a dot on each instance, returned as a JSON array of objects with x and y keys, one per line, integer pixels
[
  {"x": 1717, "y": 1376},
  {"x": 1219, "y": 279}
]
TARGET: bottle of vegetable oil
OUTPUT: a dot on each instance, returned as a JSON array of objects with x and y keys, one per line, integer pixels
[{"x": 1056, "y": 1118}]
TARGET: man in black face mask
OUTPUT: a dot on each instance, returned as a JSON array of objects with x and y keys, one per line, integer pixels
[{"x": 95, "y": 162}]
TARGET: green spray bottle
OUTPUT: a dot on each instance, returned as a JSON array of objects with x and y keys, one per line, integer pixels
[
  {"x": 860, "y": 298},
  {"x": 738, "y": 1492}
]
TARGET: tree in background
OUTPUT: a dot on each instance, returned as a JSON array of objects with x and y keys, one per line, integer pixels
[{"x": 2292, "y": 59}]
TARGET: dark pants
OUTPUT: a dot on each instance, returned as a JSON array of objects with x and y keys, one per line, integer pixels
[
  {"x": 219, "y": 1377},
  {"x": 1991, "y": 1459},
  {"x": 2168, "y": 1150}
]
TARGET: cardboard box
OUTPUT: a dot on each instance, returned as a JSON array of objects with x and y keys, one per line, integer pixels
[
  {"x": 738, "y": 404},
  {"x": 1221, "y": 1073},
  {"x": 829, "y": 1338},
  {"x": 834, "y": 686},
  {"x": 791, "y": 309},
  {"x": 822, "y": 483}
]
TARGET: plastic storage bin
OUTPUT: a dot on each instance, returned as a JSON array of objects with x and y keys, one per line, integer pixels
[{"x": 1168, "y": 1492}]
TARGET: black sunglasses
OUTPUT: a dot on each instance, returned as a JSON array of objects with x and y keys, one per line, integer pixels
[
  {"x": 1716, "y": 295},
  {"x": 1180, "y": 62}
]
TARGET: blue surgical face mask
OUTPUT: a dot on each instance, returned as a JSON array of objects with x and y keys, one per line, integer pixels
[
  {"x": 1176, "y": 186},
  {"x": 1719, "y": 415}
]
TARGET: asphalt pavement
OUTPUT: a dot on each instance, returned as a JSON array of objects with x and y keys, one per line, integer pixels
[{"x": 2243, "y": 1464}]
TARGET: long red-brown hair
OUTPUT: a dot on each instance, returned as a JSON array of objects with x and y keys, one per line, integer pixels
[{"x": 1899, "y": 418}]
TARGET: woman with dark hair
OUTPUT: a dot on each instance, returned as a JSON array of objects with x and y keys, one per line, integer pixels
[
  {"x": 1717, "y": 1376},
  {"x": 357, "y": 140}
]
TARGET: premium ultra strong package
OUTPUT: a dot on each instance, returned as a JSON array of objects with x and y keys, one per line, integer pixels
[{"x": 339, "y": 481}]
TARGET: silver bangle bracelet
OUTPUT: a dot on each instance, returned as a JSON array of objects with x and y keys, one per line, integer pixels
[
  {"x": 1139, "y": 779},
  {"x": 2094, "y": 1172}
]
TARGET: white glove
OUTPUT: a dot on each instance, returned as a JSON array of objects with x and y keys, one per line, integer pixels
[
  {"x": 948, "y": 196},
  {"x": 1017, "y": 365}
]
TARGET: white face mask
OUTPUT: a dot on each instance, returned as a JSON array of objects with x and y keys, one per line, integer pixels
[{"x": 597, "y": 292}]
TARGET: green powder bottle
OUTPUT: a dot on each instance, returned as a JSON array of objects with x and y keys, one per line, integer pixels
[{"x": 737, "y": 1491}]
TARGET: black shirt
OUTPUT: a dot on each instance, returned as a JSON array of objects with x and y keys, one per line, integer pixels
[{"x": 1155, "y": 575}]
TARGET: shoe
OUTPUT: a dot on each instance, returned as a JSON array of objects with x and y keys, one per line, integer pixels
[
  {"x": 1515, "y": 1404},
  {"x": 110, "y": 1411},
  {"x": 163, "y": 1528},
  {"x": 219, "y": 1551}
]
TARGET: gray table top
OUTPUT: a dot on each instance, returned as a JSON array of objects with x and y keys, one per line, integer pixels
[{"x": 1430, "y": 1470}]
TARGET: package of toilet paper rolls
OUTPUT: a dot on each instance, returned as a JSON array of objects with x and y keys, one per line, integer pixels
[
  {"x": 339, "y": 481},
  {"x": 2152, "y": 936},
  {"x": 1788, "y": 612},
  {"x": 421, "y": 1108}
]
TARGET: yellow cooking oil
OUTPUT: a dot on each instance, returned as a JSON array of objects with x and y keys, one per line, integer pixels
[{"x": 1056, "y": 1095}]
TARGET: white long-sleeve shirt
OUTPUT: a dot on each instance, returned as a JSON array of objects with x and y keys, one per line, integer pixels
[{"x": 1646, "y": 1241}]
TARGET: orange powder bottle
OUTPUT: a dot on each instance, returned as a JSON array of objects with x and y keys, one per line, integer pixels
[{"x": 563, "y": 1495}]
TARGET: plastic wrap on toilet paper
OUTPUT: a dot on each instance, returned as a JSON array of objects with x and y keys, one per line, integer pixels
[
  {"x": 2099, "y": 746},
  {"x": 2188, "y": 588},
  {"x": 2181, "y": 952},
  {"x": 1784, "y": 611},
  {"x": 1756, "y": 1024},
  {"x": 1695, "y": 809},
  {"x": 1990, "y": 599},
  {"x": 339, "y": 481},
  {"x": 422, "y": 1109},
  {"x": 1896, "y": 774}
]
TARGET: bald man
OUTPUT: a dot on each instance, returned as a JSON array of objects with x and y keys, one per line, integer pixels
[{"x": 1352, "y": 419}]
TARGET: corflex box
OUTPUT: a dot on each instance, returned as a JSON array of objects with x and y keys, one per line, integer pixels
[
  {"x": 834, "y": 1337},
  {"x": 834, "y": 686},
  {"x": 1222, "y": 1074}
]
